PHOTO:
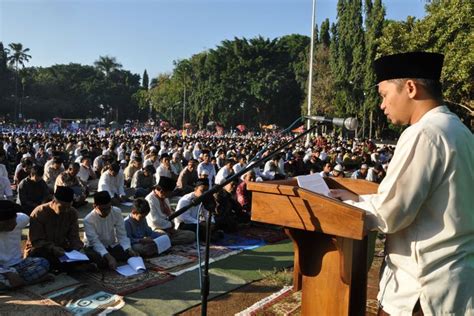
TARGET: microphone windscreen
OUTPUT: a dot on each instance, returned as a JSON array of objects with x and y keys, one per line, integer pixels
[{"x": 351, "y": 123}]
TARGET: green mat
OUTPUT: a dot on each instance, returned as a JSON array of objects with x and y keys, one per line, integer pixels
[
  {"x": 226, "y": 275},
  {"x": 254, "y": 264}
]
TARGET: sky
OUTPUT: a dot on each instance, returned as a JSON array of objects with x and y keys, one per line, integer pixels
[{"x": 151, "y": 34}]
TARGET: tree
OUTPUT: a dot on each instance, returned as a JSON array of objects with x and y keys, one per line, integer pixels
[
  {"x": 374, "y": 22},
  {"x": 4, "y": 73},
  {"x": 447, "y": 28},
  {"x": 347, "y": 57},
  {"x": 107, "y": 65},
  {"x": 18, "y": 58},
  {"x": 145, "y": 80},
  {"x": 324, "y": 36}
]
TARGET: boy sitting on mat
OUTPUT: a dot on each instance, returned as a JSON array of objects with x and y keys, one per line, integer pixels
[{"x": 144, "y": 240}]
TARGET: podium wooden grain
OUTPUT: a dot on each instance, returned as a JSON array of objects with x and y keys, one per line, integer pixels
[{"x": 329, "y": 239}]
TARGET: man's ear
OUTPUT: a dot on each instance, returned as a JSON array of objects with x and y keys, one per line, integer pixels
[{"x": 411, "y": 88}]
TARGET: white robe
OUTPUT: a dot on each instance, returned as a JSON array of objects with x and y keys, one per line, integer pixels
[{"x": 425, "y": 205}]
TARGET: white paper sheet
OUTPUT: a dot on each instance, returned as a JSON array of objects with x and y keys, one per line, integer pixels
[
  {"x": 163, "y": 243},
  {"x": 72, "y": 256},
  {"x": 314, "y": 183}
]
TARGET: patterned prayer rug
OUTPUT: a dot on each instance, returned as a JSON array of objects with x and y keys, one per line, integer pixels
[
  {"x": 99, "y": 303},
  {"x": 285, "y": 302},
  {"x": 24, "y": 302},
  {"x": 61, "y": 282},
  {"x": 118, "y": 284},
  {"x": 183, "y": 258},
  {"x": 170, "y": 261}
]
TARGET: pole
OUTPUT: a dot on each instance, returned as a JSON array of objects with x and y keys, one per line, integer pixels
[
  {"x": 310, "y": 76},
  {"x": 363, "y": 120},
  {"x": 184, "y": 104},
  {"x": 205, "y": 282},
  {"x": 370, "y": 123}
]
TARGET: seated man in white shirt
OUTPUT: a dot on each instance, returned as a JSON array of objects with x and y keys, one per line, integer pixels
[
  {"x": 112, "y": 181},
  {"x": 207, "y": 166},
  {"x": 225, "y": 172},
  {"x": 360, "y": 173},
  {"x": 87, "y": 174},
  {"x": 242, "y": 163},
  {"x": 376, "y": 174},
  {"x": 326, "y": 170},
  {"x": 14, "y": 270},
  {"x": 160, "y": 209},
  {"x": 6, "y": 192},
  {"x": 189, "y": 221},
  {"x": 105, "y": 235}
]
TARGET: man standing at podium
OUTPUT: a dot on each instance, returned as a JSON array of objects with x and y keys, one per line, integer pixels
[{"x": 425, "y": 202}]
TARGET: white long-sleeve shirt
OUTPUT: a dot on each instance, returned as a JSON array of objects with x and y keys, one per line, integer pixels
[
  {"x": 10, "y": 244},
  {"x": 190, "y": 216},
  {"x": 113, "y": 185},
  {"x": 156, "y": 218},
  {"x": 3, "y": 171},
  {"x": 425, "y": 205},
  {"x": 103, "y": 232},
  {"x": 5, "y": 188},
  {"x": 222, "y": 174},
  {"x": 209, "y": 167}
]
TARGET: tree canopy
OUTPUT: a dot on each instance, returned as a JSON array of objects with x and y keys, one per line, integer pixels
[{"x": 253, "y": 81}]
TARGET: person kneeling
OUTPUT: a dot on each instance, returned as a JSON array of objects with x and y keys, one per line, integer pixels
[
  {"x": 15, "y": 271},
  {"x": 105, "y": 235},
  {"x": 189, "y": 220},
  {"x": 144, "y": 240}
]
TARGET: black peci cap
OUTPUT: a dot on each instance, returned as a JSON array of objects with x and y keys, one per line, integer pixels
[{"x": 416, "y": 65}]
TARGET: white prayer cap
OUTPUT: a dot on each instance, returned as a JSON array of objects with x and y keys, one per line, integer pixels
[
  {"x": 148, "y": 163},
  {"x": 339, "y": 168}
]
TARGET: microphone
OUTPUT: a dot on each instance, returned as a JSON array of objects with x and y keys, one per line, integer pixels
[{"x": 349, "y": 123}]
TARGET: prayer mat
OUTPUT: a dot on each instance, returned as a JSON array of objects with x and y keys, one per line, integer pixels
[
  {"x": 236, "y": 242},
  {"x": 99, "y": 303},
  {"x": 285, "y": 302},
  {"x": 170, "y": 261},
  {"x": 183, "y": 258},
  {"x": 24, "y": 302},
  {"x": 118, "y": 284},
  {"x": 61, "y": 282},
  {"x": 270, "y": 234},
  {"x": 190, "y": 250}
]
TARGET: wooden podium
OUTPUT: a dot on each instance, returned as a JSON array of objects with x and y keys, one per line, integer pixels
[{"x": 329, "y": 239}]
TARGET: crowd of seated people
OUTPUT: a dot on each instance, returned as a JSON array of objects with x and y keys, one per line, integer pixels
[{"x": 45, "y": 177}]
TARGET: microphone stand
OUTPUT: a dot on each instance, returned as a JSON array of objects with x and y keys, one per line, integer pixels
[{"x": 205, "y": 275}]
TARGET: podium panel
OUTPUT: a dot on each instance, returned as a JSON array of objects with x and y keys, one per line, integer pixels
[{"x": 329, "y": 239}]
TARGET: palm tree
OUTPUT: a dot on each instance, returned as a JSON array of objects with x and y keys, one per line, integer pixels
[
  {"x": 18, "y": 58},
  {"x": 107, "y": 64}
]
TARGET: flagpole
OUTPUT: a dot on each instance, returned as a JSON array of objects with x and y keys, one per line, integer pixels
[{"x": 310, "y": 76}]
